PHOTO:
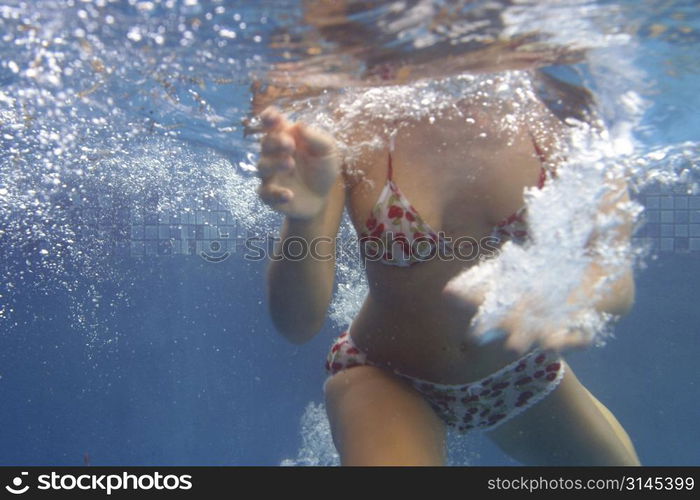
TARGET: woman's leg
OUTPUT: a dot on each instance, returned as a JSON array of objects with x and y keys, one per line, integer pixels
[
  {"x": 378, "y": 419},
  {"x": 568, "y": 427}
]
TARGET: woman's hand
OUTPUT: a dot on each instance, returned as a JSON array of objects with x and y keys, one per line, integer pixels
[
  {"x": 524, "y": 329},
  {"x": 298, "y": 166},
  {"x": 527, "y": 323}
]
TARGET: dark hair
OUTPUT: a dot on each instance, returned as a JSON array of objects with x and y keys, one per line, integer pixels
[{"x": 563, "y": 98}]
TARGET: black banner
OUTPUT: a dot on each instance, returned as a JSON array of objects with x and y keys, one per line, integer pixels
[{"x": 231, "y": 482}]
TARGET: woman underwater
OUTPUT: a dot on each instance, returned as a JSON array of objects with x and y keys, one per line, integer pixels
[{"x": 407, "y": 368}]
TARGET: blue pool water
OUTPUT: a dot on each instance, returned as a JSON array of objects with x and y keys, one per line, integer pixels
[{"x": 122, "y": 344}]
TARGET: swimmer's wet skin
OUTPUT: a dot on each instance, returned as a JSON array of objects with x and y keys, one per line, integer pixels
[{"x": 533, "y": 407}]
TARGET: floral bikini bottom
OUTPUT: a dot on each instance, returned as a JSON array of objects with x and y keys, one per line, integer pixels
[{"x": 483, "y": 404}]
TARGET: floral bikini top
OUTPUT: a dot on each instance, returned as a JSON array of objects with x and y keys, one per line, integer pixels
[{"x": 395, "y": 234}]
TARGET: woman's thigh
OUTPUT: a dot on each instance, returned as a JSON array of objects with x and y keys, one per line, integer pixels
[
  {"x": 568, "y": 427},
  {"x": 378, "y": 419}
]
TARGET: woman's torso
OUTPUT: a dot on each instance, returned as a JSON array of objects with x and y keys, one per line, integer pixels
[{"x": 463, "y": 173}]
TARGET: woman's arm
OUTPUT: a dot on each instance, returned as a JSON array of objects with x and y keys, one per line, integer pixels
[
  {"x": 618, "y": 296},
  {"x": 610, "y": 286},
  {"x": 300, "y": 171},
  {"x": 606, "y": 287},
  {"x": 300, "y": 289}
]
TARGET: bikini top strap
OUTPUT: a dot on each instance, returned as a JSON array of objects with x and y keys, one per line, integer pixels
[
  {"x": 545, "y": 163},
  {"x": 390, "y": 169},
  {"x": 392, "y": 146},
  {"x": 543, "y": 178},
  {"x": 540, "y": 154}
]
